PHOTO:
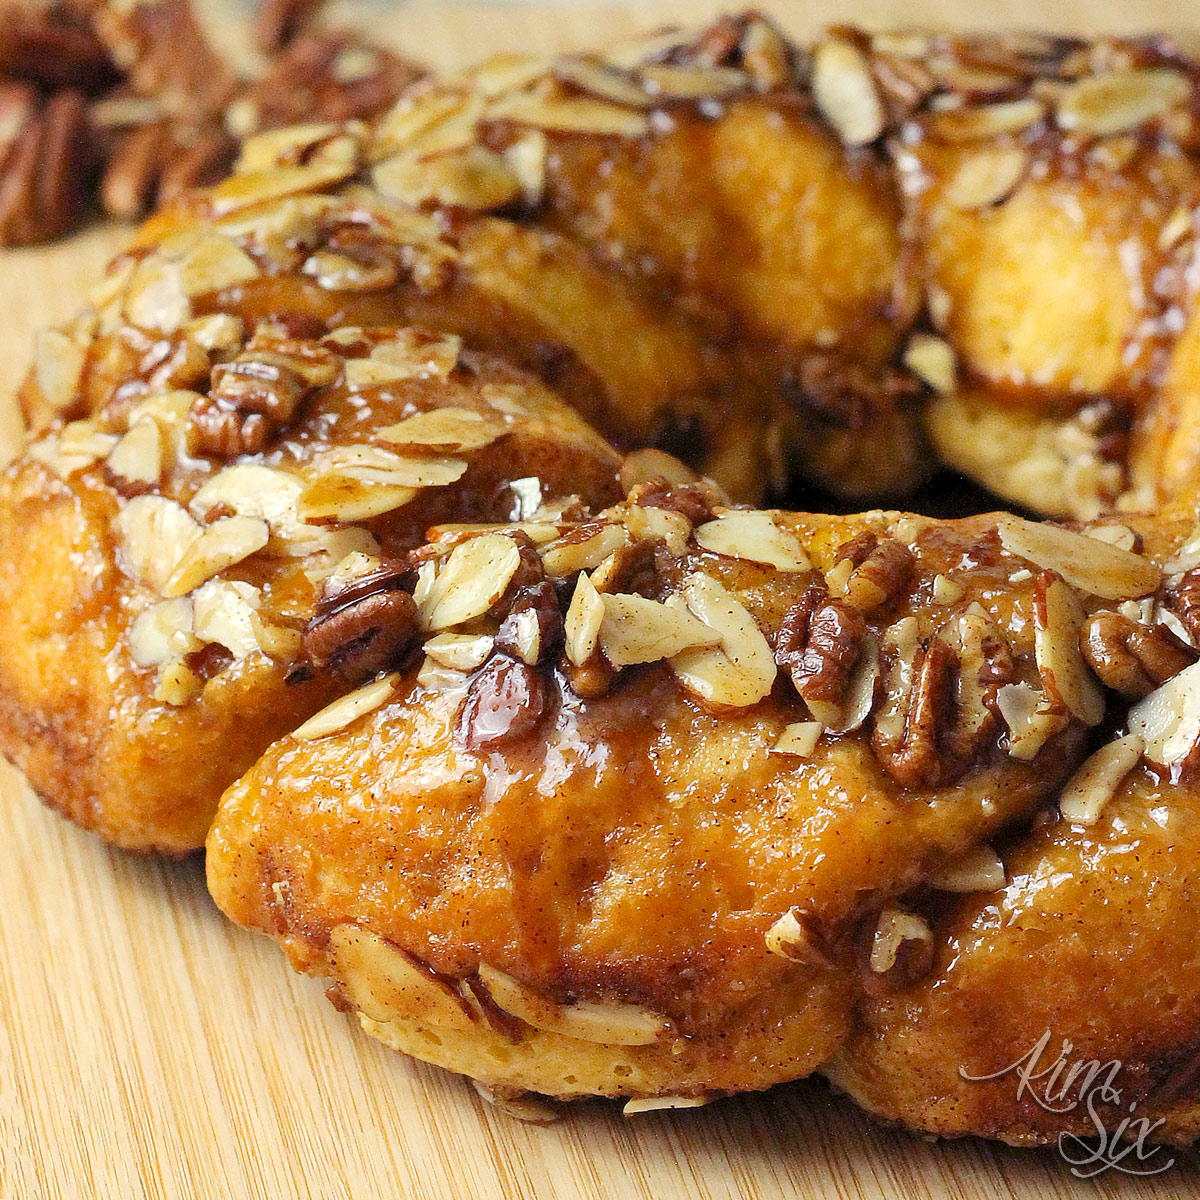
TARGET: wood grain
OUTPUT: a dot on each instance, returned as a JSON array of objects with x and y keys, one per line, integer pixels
[{"x": 150, "y": 1049}]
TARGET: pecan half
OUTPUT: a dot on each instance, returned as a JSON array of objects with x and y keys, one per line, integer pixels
[
  {"x": 882, "y": 570},
  {"x": 505, "y": 702},
  {"x": 54, "y": 48},
  {"x": 365, "y": 627},
  {"x": 256, "y": 394},
  {"x": 818, "y": 645},
  {"x": 913, "y": 755},
  {"x": 690, "y": 500},
  {"x": 1131, "y": 658},
  {"x": 328, "y": 75},
  {"x": 45, "y": 163}
]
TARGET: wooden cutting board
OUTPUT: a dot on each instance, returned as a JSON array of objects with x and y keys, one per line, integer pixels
[{"x": 150, "y": 1049}]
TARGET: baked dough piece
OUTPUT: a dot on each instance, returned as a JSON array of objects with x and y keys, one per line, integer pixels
[
  {"x": 156, "y": 594},
  {"x": 685, "y": 842},
  {"x": 1090, "y": 943}
]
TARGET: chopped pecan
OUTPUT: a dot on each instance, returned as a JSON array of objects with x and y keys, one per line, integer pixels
[
  {"x": 691, "y": 500},
  {"x": 506, "y": 701},
  {"x": 256, "y": 394},
  {"x": 985, "y": 665},
  {"x": 882, "y": 570},
  {"x": 818, "y": 645},
  {"x": 846, "y": 395},
  {"x": 528, "y": 574},
  {"x": 1183, "y": 599},
  {"x": 533, "y": 629},
  {"x": 365, "y": 627},
  {"x": 1131, "y": 658},
  {"x": 637, "y": 567}
]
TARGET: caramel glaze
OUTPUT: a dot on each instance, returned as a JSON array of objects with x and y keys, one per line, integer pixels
[
  {"x": 91, "y": 738},
  {"x": 636, "y": 845},
  {"x": 1094, "y": 940}
]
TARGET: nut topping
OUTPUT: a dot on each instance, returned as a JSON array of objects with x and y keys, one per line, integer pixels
[
  {"x": 505, "y": 702},
  {"x": 902, "y": 947},
  {"x": 1132, "y": 658},
  {"x": 1085, "y": 795},
  {"x": 533, "y": 629},
  {"x": 1183, "y": 599},
  {"x": 882, "y": 568},
  {"x": 363, "y": 627},
  {"x": 1059, "y": 617},
  {"x": 845, "y": 92},
  {"x": 819, "y": 644},
  {"x": 342, "y": 713}
]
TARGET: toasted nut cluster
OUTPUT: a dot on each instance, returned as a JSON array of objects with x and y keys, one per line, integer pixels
[{"x": 256, "y": 394}]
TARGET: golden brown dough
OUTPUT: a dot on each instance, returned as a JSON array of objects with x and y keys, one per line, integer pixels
[{"x": 136, "y": 735}]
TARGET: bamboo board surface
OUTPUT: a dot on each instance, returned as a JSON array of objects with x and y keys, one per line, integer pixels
[{"x": 150, "y": 1049}]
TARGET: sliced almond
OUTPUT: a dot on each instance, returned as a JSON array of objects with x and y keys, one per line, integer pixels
[
  {"x": 645, "y": 524},
  {"x": 214, "y": 263},
  {"x": 946, "y": 590},
  {"x": 473, "y": 578},
  {"x": 977, "y": 121},
  {"x": 472, "y": 177},
  {"x": 602, "y": 80},
  {"x": 692, "y": 82},
  {"x": 335, "y": 497},
  {"x": 1094, "y": 784},
  {"x": 978, "y": 870},
  {"x": 334, "y": 161},
  {"x": 1060, "y": 661},
  {"x": 74, "y": 448},
  {"x": 137, "y": 459},
  {"x": 741, "y": 670},
  {"x": 932, "y": 359},
  {"x": 448, "y": 430},
  {"x": 608, "y": 1024},
  {"x": 1085, "y": 563},
  {"x": 154, "y": 534},
  {"x": 1120, "y": 536},
  {"x": 583, "y": 549},
  {"x": 895, "y": 927},
  {"x": 253, "y": 490},
  {"x": 57, "y": 368},
  {"x": 1121, "y": 100},
  {"x": 220, "y": 545},
  {"x": 221, "y": 332},
  {"x": 637, "y": 630},
  {"x": 155, "y": 298},
  {"x": 385, "y": 984},
  {"x": 1168, "y": 720},
  {"x": 342, "y": 713},
  {"x": 162, "y": 633},
  {"x": 460, "y": 651},
  {"x": 580, "y": 114},
  {"x": 1032, "y": 719},
  {"x": 845, "y": 92},
  {"x": 373, "y": 464},
  {"x": 225, "y": 613},
  {"x": 799, "y": 739},
  {"x": 859, "y": 697},
  {"x": 644, "y": 465},
  {"x": 755, "y": 536},
  {"x": 987, "y": 176},
  {"x": 584, "y": 618},
  {"x": 646, "y": 1104},
  {"x": 526, "y": 155}
]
